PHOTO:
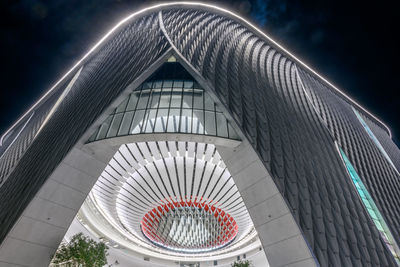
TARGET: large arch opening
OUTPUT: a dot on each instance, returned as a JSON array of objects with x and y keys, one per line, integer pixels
[{"x": 172, "y": 121}]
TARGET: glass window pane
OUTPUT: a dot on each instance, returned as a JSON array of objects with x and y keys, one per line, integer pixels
[
  {"x": 126, "y": 123},
  {"x": 104, "y": 128},
  {"x": 149, "y": 102},
  {"x": 188, "y": 84},
  {"x": 146, "y": 116},
  {"x": 367, "y": 204},
  {"x": 161, "y": 121},
  {"x": 187, "y": 98},
  {"x": 210, "y": 123},
  {"x": 155, "y": 98},
  {"x": 198, "y": 99},
  {"x": 122, "y": 106},
  {"x": 176, "y": 98},
  {"x": 144, "y": 97},
  {"x": 115, "y": 125},
  {"x": 132, "y": 101},
  {"x": 222, "y": 126},
  {"x": 165, "y": 98},
  {"x": 357, "y": 185},
  {"x": 362, "y": 195},
  {"x": 157, "y": 84},
  {"x": 196, "y": 85},
  {"x": 173, "y": 120},
  {"x": 198, "y": 122},
  {"x": 393, "y": 251},
  {"x": 137, "y": 122},
  {"x": 379, "y": 226},
  {"x": 147, "y": 85},
  {"x": 93, "y": 136},
  {"x": 178, "y": 84},
  {"x": 232, "y": 132},
  {"x": 186, "y": 121},
  {"x": 167, "y": 84},
  {"x": 208, "y": 102},
  {"x": 373, "y": 214},
  {"x": 150, "y": 121}
]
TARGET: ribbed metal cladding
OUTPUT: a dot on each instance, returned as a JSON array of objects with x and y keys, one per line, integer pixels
[
  {"x": 387, "y": 143},
  {"x": 292, "y": 128},
  {"x": 378, "y": 174},
  {"x": 261, "y": 88},
  {"x": 21, "y": 135},
  {"x": 106, "y": 73}
]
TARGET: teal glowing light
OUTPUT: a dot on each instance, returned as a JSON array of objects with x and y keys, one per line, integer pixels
[
  {"x": 372, "y": 209},
  {"x": 374, "y": 139}
]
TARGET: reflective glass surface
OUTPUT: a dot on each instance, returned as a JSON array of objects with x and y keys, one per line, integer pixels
[
  {"x": 166, "y": 106},
  {"x": 372, "y": 209}
]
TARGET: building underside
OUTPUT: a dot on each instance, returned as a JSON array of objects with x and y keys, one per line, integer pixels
[{"x": 187, "y": 136}]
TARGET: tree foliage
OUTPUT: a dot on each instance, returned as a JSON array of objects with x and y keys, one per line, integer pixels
[
  {"x": 81, "y": 251},
  {"x": 242, "y": 263}
]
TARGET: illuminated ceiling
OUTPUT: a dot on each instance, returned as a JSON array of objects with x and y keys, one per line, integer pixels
[{"x": 171, "y": 197}]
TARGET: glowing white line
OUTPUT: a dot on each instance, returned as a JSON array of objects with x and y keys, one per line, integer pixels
[
  {"x": 80, "y": 61},
  {"x": 16, "y": 137},
  {"x": 207, "y": 6},
  {"x": 59, "y": 100}
]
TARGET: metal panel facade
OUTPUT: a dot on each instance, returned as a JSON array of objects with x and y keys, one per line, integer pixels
[{"x": 290, "y": 116}]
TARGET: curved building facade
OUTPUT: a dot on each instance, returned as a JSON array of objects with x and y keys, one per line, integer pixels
[{"x": 187, "y": 136}]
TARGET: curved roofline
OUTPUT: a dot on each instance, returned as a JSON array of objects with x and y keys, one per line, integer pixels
[{"x": 203, "y": 6}]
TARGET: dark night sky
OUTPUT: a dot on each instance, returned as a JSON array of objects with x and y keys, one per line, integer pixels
[{"x": 352, "y": 44}]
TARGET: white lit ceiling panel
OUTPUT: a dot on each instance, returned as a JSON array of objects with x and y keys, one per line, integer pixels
[{"x": 176, "y": 196}]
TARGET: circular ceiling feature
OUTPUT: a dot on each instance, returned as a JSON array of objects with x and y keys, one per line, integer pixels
[
  {"x": 189, "y": 227},
  {"x": 173, "y": 198}
]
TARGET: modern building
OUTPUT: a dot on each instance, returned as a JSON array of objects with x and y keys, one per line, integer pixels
[{"x": 187, "y": 137}]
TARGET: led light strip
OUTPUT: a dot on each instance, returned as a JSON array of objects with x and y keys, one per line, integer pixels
[
  {"x": 16, "y": 137},
  {"x": 194, "y": 4}
]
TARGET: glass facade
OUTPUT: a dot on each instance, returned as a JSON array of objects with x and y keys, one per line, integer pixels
[
  {"x": 373, "y": 137},
  {"x": 166, "y": 106},
  {"x": 372, "y": 209}
]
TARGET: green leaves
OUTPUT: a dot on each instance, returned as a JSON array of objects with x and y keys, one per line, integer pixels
[
  {"x": 81, "y": 251},
  {"x": 242, "y": 263}
]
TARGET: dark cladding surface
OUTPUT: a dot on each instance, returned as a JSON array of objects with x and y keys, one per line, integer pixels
[
  {"x": 348, "y": 131},
  {"x": 105, "y": 74},
  {"x": 262, "y": 89},
  {"x": 15, "y": 143},
  {"x": 290, "y": 117},
  {"x": 387, "y": 143}
]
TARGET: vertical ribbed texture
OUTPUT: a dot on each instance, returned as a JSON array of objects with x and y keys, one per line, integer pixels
[
  {"x": 260, "y": 87},
  {"x": 105, "y": 74},
  {"x": 263, "y": 90},
  {"x": 387, "y": 143},
  {"x": 377, "y": 173},
  {"x": 21, "y": 135}
]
